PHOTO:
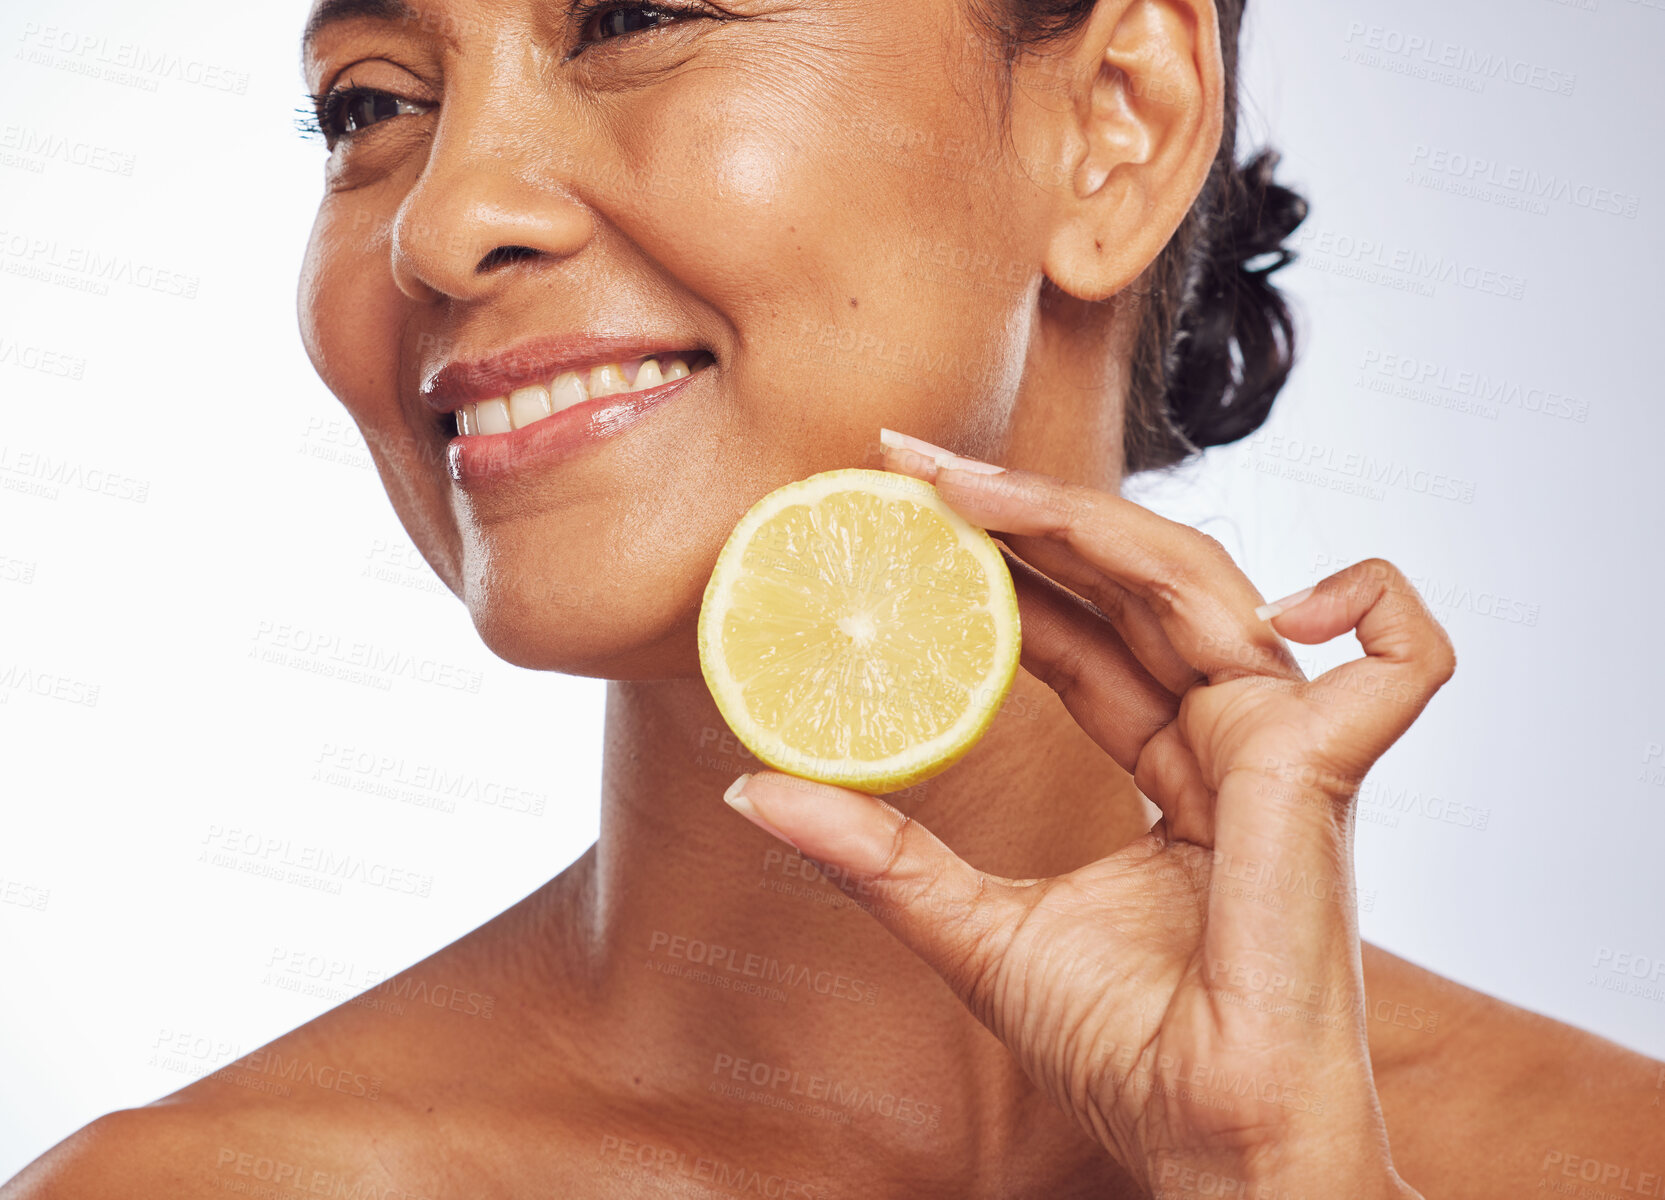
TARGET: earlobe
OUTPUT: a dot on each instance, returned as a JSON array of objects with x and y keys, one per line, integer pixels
[{"x": 1145, "y": 128}]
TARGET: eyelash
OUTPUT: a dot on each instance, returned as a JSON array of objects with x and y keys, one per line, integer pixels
[
  {"x": 588, "y": 12},
  {"x": 326, "y": 118},
  {"x": 323, "y": 119}
]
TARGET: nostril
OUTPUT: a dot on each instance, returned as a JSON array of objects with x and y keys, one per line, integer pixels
[{"x": 502, "y": 256}]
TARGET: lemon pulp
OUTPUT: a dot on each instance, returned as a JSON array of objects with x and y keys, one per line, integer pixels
[{"x": 858, "y": 631}]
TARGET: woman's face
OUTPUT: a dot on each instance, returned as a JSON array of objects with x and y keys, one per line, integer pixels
[{"x": 811, "y": 204}]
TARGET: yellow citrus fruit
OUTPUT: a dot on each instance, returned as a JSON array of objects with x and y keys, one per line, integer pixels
[{"x": 858, "y": 631}]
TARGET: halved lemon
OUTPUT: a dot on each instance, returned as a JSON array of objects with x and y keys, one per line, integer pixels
[{"x": 858, "y": 631}]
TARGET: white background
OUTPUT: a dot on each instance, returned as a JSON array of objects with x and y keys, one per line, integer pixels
[{"x": 1511, "y": 841}]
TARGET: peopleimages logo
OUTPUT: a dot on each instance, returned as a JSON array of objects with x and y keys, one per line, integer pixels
[
  {"x": 1395, "y": 49},
  {"x": 765, "y": 967},
  {"x": 1316, "y": 462},
  {"x": 318, "y": 867},
  {"x": 41, "y": 474},
  {"x": 33, "y": 148},
  {"x": 1477, "y": 173},
  {"x": 385, "y": 774},
  {"x": 15, "y": 677},
  {"x": 125, "y": 62},
  {"x": 327, "y": 653},
  {"x": 1339, "y": 253},
  {"x": 842, "y": 1096},
  {"x": 29, "y": 357},
  {"x": 88, "y": 269},
  {"x": 1382, "y": 369}
]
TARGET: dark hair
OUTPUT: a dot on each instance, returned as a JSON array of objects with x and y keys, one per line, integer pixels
[{"x": 1216, "y": 339}]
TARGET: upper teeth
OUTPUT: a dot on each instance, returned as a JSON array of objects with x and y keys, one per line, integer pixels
[{"x": 523, "y": 406}]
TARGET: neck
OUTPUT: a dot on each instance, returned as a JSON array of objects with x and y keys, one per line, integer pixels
[{"x": 710, "y": 944}]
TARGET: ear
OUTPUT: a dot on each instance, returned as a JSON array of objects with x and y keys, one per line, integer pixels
[{"x": 1134, "y": 138}]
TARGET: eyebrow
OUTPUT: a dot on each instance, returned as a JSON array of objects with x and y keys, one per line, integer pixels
[{"x": 332, "y": 11}]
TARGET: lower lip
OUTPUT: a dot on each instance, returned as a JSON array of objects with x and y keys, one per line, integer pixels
[{"x": 478, "y": 458}]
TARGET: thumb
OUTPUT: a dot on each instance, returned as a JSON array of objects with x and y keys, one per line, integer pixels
[{"x": 956, "y": 918}]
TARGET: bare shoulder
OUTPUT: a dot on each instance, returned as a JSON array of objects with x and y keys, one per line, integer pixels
[
  {"x": 190, "y": 1150},
  {"x": 321, "y": 1110},
  {"x": 1484, "y": 1098},
  {"x": 86, "y": 1163},
  {"x": 384, "y": 1096}
]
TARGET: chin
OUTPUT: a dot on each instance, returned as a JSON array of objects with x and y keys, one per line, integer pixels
[{"x": 643, "y": 630}]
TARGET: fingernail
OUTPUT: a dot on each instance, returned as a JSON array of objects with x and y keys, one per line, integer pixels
[
  {"x": 735, "y": 797},
  {"x": 1278, "y": 607},
  {"x": 945, "y": 459}
]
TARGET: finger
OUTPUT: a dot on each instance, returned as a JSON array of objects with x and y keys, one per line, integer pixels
[
  {"x": 1408, "y": 654},
  {"x": 1281, "y": 883},
  {"x": 1080, "y": 656},
  {"x": 1170, "y": 777},
  {"x": 1282, "y": 827},
  {"x": 1131, "y": 616},
  {"x": 1113, "y": 698},
  {"x": 957, "y": 919},
  {"x": 1202, "y": 600}
]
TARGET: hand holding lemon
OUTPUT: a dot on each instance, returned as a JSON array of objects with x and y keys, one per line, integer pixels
[{"x": 856, "y": 632}]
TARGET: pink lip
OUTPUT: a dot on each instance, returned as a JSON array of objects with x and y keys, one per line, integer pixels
[
  {"x": 538, "y": 360},
  {"x": 476, "y": 459}
]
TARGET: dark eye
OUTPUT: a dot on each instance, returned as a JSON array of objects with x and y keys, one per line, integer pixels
[
  {"x": 363, "y": 109},
  {"x": 351, "y": 110},
  {"x": 617, "y": 20}
]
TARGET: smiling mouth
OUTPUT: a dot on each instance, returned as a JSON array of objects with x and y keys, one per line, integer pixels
[{"x": 537, "y": 402}]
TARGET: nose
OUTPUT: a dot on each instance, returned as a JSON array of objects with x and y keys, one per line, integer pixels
[{"x": 486, "y": 205}]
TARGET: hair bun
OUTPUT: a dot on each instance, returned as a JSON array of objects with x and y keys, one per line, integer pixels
[
  {"x": 1234, "y": 341},
  {"x": 1268, "y": 213}
]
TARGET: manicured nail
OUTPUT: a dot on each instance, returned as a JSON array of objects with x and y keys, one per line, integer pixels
[
  {"x": 736, "y": 799},
  {"x": 945, "y": 459},
  {"x": 1278, "y": 607}
]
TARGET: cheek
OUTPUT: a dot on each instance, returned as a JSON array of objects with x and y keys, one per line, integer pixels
[
  {"x": 888, "y": 272},
  {"x": 748, "y": 173},
  {"x": 352, "y": 320},
  {"x": 746, "y": 196},
  {"x": 350, "y": 311}
]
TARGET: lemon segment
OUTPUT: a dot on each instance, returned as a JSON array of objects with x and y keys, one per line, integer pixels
[{"x": 858, "y": 631}]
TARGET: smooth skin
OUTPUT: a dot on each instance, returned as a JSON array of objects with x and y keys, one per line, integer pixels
[{"x": 693, "y": 1008}]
